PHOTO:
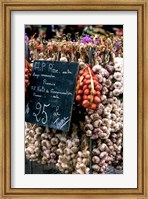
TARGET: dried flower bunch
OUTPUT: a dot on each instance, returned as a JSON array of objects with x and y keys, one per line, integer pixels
[
  {"x": 104, "y": 48},
  {"x": 28, "y": 70},
  {"x": 99, "y": 91}
]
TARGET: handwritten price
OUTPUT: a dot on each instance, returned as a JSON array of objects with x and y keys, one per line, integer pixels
[{"x": 41, "y": 115}]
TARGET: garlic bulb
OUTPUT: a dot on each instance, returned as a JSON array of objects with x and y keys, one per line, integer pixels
[
  {"x": 67, "y": 152},
  {"x": 32, "y": 142}
]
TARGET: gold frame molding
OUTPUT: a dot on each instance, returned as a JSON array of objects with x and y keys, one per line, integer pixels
[{"x": 6, "y": 6}]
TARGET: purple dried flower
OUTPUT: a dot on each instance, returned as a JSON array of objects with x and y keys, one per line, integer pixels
[{"x": 86, "y": 39}]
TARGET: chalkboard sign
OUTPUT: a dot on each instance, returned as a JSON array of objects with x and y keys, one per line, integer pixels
[{"x": 51, "y": 94}]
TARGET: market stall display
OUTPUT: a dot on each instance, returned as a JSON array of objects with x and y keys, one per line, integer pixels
[{"x": 94, "y": 141}]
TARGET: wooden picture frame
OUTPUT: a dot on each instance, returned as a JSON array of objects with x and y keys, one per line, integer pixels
[{"x": 5, "y": 122}]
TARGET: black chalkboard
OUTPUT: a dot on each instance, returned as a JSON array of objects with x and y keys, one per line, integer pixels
[{"x": 51, "y": 94}]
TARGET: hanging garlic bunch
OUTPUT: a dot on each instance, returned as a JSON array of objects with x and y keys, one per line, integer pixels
[
  {"x": 103, "y": 155},
  {"x": 83, "y": 158},
  {"x": 32, "y": 142},
  {"x": 118, "y": 77},
  {"x": 98, "y": 122},
  {"x": 49, "y": 143},
  {"x": 67, "y": 152},
  {"x": 106, "y": 123},
  {"x": 41, "y": 144}
]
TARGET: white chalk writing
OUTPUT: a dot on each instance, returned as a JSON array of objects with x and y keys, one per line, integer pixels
[
  {"x": 52, "y": 69},
  {"x": 39, "y": 66},
  {"x": 61, "y": 123},
  {"x": 56, "y": 113},
  {"x": 50, "y": 76},
  {"x": 33, "y": 88},
  {"x": 67, "y": 72},
  {"x": 36, "y": 75},
  {"x": 44, "y": 117},
  {"x": 48, "y": 83},
  {"x": 60, "y": 93},
  {"x": 36, "y": 95},
  {"x": 55, "y": 96},
  {"x": 41, "y": 89}
]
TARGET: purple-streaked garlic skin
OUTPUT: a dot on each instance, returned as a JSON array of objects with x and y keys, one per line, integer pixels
[
  {"x": 105, "y": 124},
  {"x": 40, "y": 145},
  {"x": 67, "y": 153}
]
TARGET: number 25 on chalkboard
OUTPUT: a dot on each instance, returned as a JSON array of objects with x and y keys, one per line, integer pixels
[{"x": 41, "y": 115}]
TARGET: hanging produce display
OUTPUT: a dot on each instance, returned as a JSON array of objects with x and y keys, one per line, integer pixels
[
  {"x": 28, "y": 70},
  {"x": 94, "y": 140},
  {"x": 88, "y": 89}
]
